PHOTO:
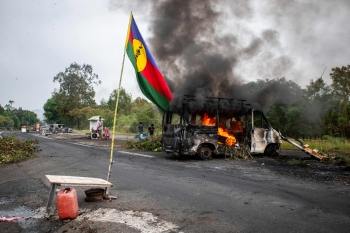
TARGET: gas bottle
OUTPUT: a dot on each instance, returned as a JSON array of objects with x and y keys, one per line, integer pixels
[{"x": 67, "y": 203}]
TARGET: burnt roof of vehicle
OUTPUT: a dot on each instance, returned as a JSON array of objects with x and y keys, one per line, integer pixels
[{"x": 210, "y": 105}]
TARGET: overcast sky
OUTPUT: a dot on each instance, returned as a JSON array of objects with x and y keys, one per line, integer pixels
[{"x": 296, "y": 39}]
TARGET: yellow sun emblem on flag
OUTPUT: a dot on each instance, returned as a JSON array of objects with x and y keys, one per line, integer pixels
[{"x": 140, "y": 54}]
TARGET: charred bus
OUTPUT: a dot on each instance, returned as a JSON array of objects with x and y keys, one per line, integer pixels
[{"x": 217, "y": 126}]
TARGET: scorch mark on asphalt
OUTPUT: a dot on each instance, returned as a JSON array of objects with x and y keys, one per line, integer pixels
[{"x": 145, "y": 222}]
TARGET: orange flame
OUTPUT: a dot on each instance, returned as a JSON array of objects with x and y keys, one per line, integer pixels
[
  {"x": 206, "y": 120},
  {"x": 230, "y": 139}
]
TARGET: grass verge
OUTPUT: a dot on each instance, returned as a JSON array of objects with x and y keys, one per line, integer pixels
[{"x": 338, "y": 149}]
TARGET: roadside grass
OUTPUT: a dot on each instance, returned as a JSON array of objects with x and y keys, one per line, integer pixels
[
  {"x": 338, "y": 149},
  {"x": 14, "y": 150}
]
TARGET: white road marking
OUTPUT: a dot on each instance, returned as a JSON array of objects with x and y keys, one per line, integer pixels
[
  {"x": 132, "y": 153},
  {"x": 79, "y": 144}
]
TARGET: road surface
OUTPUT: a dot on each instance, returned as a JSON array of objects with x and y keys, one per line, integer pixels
[{"x": 158, "y": 193}]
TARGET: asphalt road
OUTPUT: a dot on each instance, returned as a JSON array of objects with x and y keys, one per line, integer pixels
[{"x": 194, "y": 195}]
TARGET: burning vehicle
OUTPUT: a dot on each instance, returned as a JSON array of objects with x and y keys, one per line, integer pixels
[{"x": 217, "y": 126}]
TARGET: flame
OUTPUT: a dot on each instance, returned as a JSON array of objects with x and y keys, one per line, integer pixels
[
  {"x": 230, "y": 139},
  {"x": 206, "y": 120}
]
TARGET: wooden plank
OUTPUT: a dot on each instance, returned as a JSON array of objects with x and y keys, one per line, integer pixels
[{"x": 76, "y": 180}]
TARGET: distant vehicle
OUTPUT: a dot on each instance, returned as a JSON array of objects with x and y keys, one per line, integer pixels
[{"x": 59, "y": 128}]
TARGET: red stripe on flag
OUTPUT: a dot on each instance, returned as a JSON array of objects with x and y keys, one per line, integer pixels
[
  {"x": 131, "y": 36},
  {"x": 155, "y": 78}
]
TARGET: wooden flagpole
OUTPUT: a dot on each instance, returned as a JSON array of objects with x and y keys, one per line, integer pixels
[{"x": 116, "y": 107}]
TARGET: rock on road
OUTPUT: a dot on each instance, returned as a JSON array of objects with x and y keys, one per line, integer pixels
[{"x": 158, "y": 193}]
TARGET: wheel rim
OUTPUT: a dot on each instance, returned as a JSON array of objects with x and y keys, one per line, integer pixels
[{"x": 205, "y": 153}]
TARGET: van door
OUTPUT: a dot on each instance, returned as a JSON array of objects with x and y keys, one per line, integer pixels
[
  {"x": 260, "y": 129},
  {"x": 171, "y": 132}
]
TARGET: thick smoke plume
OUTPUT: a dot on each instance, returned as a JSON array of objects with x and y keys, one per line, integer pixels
[
  {"x": 205, "y": 47},
  {"x": 188, "y": 45}
]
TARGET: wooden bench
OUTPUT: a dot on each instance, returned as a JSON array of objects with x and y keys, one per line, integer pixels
[{"x": 73, "y": 181}]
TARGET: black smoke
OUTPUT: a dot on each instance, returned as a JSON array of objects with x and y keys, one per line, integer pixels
[{"x": 198, "y": 53}]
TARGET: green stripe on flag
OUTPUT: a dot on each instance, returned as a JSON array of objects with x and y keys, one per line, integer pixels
[{"x": 151, "y": 93}]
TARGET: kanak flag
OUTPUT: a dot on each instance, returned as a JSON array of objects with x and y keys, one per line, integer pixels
[{"x": 149, "y": 78}]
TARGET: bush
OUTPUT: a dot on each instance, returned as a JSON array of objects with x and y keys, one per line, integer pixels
[
  {"x": 14, "y": 150},
  {"x": 327, "y": 137},
  {"x": 147, "y": 144}
]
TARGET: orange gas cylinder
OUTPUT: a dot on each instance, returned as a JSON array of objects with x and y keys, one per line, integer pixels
[{"x": 67, "y": 203}]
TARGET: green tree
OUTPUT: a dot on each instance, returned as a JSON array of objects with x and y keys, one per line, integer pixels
[
  {"x": 9, "y": 106},
  {"x": 124, "y": 104},
  {"x": 320, "y": 102},
  {"x": 277, "y": 117},
  {"x": 5, "y": 120},
  {"x": 103, "y": 104},
  {"x": 2, "y": 110},
  {"x": 145, "y": 112},
  {"x": 76, "y": 90},
  {"x": 81, "y": 115},
  {"x": 51, "y": 110},
  {"x": 318, "y": 90},
  {"x": 341, "y": 88}
]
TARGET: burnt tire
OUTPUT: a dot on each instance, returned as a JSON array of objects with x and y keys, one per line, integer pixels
[
  {"x": 205, "y": 153},
  {"x": 273, "y": 150}
]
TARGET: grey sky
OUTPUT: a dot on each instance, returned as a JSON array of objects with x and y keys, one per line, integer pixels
[{"x": 292, "y": 39}]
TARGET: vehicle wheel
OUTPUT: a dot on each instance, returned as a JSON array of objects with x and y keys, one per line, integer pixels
[
  {"x": 273, "y": 150},
  {"x": 205, "y": 153}
]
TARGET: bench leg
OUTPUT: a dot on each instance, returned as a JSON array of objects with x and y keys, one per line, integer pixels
[{"x": 49, "y": 201}]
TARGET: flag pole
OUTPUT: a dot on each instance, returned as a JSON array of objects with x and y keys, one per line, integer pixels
[{"x": 116, "y": 107}]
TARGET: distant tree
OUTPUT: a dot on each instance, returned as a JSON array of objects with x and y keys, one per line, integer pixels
[
  {"x": 9, "y": 106},
  {"x": 51, "y": 110},
  {"x": 2, "y": 110},
  {"x": 76, "y": 90},
  {"x": 124, "y": 104},
  {"x": 318, "y": 90},
  {"x": 144, "y": 112},
  {"x": 81, "y": 115},
  {"x": 277, "y": 117},
  {"x": 103, "y": 103},
  {"x": 341, "y": 88}
]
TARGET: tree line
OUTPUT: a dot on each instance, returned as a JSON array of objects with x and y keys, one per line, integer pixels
[
  {"x": 314, "y": 111},
  {"x": 14, "y": 118},
  {"x": 73, "y": 103}
]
